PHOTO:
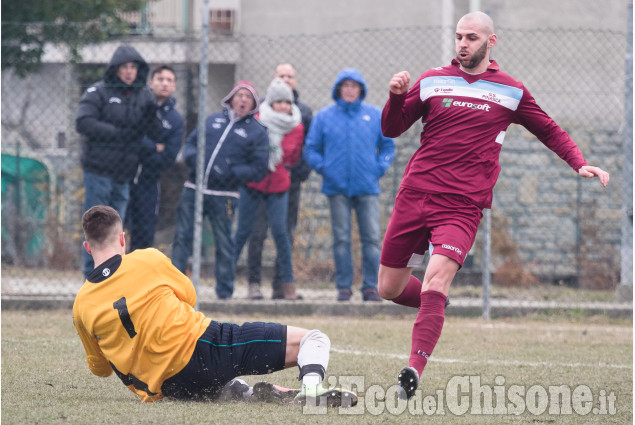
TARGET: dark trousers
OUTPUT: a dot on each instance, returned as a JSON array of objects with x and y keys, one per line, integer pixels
[
  {"x": 219, "y": 210},
  {"x": 259, "y": 234},
  {"x": 143, "y": 213}
]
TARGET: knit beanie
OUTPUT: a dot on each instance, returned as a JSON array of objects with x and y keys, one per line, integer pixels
[
  {"x": 279, "y": 91},
  {"x": 226, "y": 102}
]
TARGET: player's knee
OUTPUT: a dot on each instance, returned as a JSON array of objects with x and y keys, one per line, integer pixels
[
  {"x": 388, "y": 290},
  {"x": 316, "y": 336},
  {"x": 385, "y": 292}
]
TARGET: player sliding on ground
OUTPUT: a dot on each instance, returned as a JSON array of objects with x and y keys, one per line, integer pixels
[
  {"x": 465, "y": 109},
  {"x": 135, "y": 316}
]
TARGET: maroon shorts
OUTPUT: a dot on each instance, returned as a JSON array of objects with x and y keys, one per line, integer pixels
[{"x": 448, "y": 222}]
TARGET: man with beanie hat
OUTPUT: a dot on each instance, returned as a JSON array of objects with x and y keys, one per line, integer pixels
[
  {"x": 284, "y": 126},
  {"x": 236, "y": 152}
]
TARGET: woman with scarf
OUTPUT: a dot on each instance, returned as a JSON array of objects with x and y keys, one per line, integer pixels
[{"x": 284, "y": 125}]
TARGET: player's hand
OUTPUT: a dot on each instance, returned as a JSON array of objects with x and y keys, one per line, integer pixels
[
  {"x": 400, "y": 82},
  {"x": 589, "y": 172}
]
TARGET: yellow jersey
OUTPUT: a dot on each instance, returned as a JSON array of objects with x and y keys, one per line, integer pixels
[{"x": 136, "y": 315}]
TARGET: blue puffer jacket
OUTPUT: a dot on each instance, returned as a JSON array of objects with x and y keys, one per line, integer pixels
[{"x": 345, "y": 144}]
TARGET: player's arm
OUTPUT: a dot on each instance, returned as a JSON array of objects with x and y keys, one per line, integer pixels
[
  {"x": 589, "y": 171},
  {"x": 534, "y": 119},
  {"x": 97, "y": 363},
  {"x": 403, "y": 107}
]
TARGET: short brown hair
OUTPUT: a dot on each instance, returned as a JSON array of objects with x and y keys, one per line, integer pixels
[
  {"x": 99, "y": 223},
  {"x": 162, "y": 68}
]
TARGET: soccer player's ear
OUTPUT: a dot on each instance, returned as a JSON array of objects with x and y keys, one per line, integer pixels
[
  {"x": 122, "y": 239},
  {"x": 491, "y": 42},
  {"x": 87, "y": 247}
]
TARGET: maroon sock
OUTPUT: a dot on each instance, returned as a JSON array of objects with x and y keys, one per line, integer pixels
[
  {"x": 411, "y": 295},
  {"x": 427, "y": 328}
]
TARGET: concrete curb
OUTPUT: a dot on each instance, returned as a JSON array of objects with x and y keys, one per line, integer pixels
[{"x": 458, "y": 307}]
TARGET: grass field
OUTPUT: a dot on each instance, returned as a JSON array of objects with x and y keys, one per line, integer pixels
[{"x": 45, "y": 379}]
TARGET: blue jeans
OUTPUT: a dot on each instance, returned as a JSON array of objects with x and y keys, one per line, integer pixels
[
  {"x": 259, "y": 234},
  {"x": 219, "y": 210},
  {"x": 367, "y": 211},
  {"x": 101, "y": 190},
  {"x": 276, "y": 206}
]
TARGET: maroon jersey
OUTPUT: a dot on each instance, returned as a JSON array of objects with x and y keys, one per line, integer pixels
[{"x": 464, "y": 120}]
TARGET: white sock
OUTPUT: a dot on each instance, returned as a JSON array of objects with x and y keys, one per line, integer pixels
[
  {"x": 311, "y": 380},
  {"x": 314, "y": 350}
]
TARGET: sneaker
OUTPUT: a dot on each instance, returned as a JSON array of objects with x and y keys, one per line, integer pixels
[
  {"x": 371, "y": 295},
  {"x": 277, "y": 294},
  {"x": 344, "y": 294},
  {"x": 236, "y": 389},
  {"x": 270, "y": 393},
  {"x": 253, "y": 292},
  {"x": 408, "y": 382},
  {"x": 317, "y": 395}
]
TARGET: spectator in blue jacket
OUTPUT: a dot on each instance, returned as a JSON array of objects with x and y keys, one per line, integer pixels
[
  {"x": 346, "y": 146},
  {"x": 155, "y": 157},
  {"x": 236, "y": 152}
]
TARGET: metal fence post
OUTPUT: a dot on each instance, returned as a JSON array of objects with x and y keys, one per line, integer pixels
[
  {"x": 200, "y": 147},
  {"x": 625, "y": 288},
  {"x": 487, "y": 248}
]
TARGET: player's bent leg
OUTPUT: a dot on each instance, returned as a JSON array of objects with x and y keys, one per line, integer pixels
[
  {"x": 294, "y": 337},
  {"x": 429, "y": 323},
  {"x": 309, "y": 349},
  {"x": 391, "y": 282},
  {"x": 439, "y": 274}
]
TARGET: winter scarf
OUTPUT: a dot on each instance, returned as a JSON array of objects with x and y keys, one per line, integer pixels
[{"x": 278, "y": 125}]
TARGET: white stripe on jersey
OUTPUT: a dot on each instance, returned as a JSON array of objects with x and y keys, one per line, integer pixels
[{"x": 506, "y": 96}]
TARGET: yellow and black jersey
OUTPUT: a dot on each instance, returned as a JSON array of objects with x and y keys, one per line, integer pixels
[{"x": 135, "y": 315}]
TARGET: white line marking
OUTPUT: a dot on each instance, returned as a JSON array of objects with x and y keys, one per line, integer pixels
[
  {"x": 560, "y": 328},
  {"x": 488, "y": 362}
]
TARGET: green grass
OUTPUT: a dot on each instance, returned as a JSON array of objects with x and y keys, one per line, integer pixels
[{"x": 45, "y": 379}]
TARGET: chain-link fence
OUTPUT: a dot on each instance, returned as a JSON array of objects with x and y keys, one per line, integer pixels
[{"x": 548, "y": 225}]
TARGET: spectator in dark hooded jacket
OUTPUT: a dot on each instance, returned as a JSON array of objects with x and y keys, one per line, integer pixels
[
  {"x": 113, "y": 116},
  {"x": 236, "y": 152}
]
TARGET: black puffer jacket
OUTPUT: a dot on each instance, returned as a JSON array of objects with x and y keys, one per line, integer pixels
[{"x": 113, "y": 117}]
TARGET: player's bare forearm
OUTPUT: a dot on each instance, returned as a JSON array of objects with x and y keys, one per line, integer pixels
[{"x": 589, "y": 171}]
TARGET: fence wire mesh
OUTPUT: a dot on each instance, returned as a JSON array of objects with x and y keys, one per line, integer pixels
[{"x": 548, "y": 225}]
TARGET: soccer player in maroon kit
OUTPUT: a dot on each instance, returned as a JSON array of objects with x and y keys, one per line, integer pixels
[{"x": 465, "y": 109}]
